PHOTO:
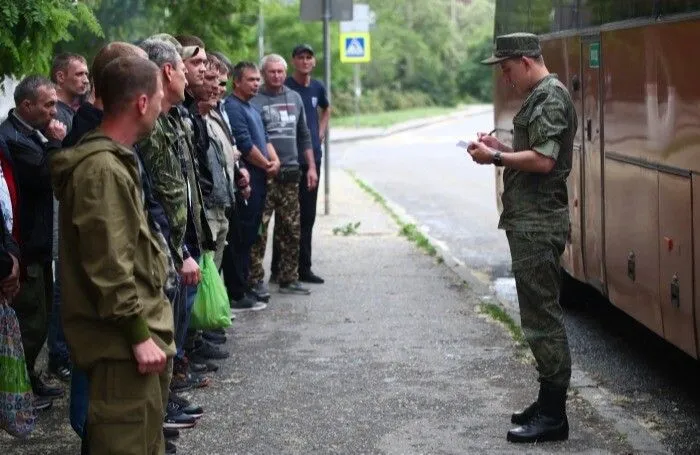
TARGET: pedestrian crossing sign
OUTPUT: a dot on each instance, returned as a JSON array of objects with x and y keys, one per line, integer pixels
[{"x": 355, "y": 47}]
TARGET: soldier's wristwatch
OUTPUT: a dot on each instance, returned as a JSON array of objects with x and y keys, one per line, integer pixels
[{"x": 497, "y": 161}]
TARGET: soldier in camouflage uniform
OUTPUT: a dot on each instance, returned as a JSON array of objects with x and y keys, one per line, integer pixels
[
  {"x": 536, "y": 220},
  {"x": 283, "y": 115}
]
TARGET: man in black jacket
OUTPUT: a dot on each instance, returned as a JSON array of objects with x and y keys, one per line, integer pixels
[{"x": 30, "y": 131}]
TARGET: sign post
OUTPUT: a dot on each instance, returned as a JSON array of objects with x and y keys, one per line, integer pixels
[
  {"x": 355, "y": 47},
  {"x": 327, "y": 11}
]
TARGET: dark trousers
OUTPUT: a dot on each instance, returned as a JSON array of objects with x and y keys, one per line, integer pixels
[
  {"x": 245, "y": 227},
  {"x": 33, "y": 308},
  {"x": 307, "y": 218},
  {"x": 233, "y": 275},
  {"x": 58, "y": 348}
]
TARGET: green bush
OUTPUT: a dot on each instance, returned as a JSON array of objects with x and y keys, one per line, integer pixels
[{"x": 380, "y": 100}]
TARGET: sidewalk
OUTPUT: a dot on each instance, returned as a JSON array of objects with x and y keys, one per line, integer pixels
[
  {"x": 391, "y": 355},
  {"x": 339, "y": 135}
]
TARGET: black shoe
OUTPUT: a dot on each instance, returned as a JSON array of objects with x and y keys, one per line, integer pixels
[
  {"x": 210, "y": 367},
  {"x": 42, "y": 404},
  {"x": 170, "y": 448},
  {"x": 294, "y": 288},
  {"x": 311, "y": 277},
  {"x": 541, "y": 428},
  {"x": 209, "y": 351},
  {"x": 197, "y": 367},
  {"x": 214, "y": 337},
  {"x": 175, "y": 418},
  {"x": 45, "y": 390},
  {"x": 524, "y": 416},
  {"x": 60, "y": 370},
  {"x": 171, "y": 433},
  {"x": 246, "y": 304},
  {"x": 197, "y": 381},
  {"x": 185, "y": 406}
]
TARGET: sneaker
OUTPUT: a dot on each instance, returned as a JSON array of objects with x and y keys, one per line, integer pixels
[
  {"x": 294, "y": 288},
  {"x": 42, "y": 389},
  {"x": 42, "y": 403},
  {"x": 197, "y": 381},
  {"x": 179, "y": 383},
  {"x": 214, "y": 337},
  {"x": 209, "y": 351},
  {"x": 175, "y": 418},
  {"x": 247, "y": 304},
  {"x": 261, "y": 291},
  {"x": 60, "y": 370},
  {"x": 171, "y": 433},
  {"x": 170, "y": 448},
  {"x": 210, "y": 367},
  {"x": 311, "y": 277},
  {"x": 198, "y": 367},
  {"x": 187, "y": 407}
]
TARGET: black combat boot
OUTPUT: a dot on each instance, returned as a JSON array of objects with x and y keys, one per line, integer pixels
[
  {"x": 549, "y": 423},
  {"x": 524, "y": 416}
]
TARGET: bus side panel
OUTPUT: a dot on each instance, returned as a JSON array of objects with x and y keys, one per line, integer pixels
[
  {"x": 676, "y": 261},
  {"x": 563, "y": 57},
  {"x": 632, "y": 246},
  {"x": 672, "y": 95},
  {"x": 696, "y": 255}
]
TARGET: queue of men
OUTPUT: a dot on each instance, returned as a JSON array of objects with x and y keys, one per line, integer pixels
[{"x": 151, "y": 164}]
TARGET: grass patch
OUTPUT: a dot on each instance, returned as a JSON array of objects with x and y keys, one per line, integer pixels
[
  {"x": 410, "y": 231},
  {"x": 389, "y": 118},
  {"x": 498, "y": 313},
  {"x": 414, "y": 235},
  {"x": 347, "y": 229}
]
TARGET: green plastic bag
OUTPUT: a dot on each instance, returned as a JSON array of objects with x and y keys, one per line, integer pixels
[{"x": 211, "y": 306}]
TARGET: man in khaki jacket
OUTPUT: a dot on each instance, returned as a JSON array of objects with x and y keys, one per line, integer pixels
[{"x": 117, "y": 319}]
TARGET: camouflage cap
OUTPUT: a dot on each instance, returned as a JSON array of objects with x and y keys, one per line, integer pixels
[
  {"x": 185, "y": 52},
  {"x": 514, "y": 45}
]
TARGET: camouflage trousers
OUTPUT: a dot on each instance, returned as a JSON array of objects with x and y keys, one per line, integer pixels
[
  {"x": 283, "y": 200},
  {"x": 537, "y": 275}
]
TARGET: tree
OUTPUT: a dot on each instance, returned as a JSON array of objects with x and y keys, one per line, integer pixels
[{"x": 29, "y": 29}]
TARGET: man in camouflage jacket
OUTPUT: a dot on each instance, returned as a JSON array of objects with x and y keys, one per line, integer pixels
[{"x": 536, "y": 220}]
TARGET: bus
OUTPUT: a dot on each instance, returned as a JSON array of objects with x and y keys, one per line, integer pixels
[{"x": 634, "y": 187}]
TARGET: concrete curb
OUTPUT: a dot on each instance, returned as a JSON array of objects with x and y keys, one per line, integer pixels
[
  {"x": 602, "y": 400},
  {"x": 410, "y": 125}
]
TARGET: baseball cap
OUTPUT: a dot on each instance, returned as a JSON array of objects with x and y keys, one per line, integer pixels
[{"x": 301, "y": 48}]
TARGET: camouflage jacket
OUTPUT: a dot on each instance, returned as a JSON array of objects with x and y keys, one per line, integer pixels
[
  {"x": 547, "y": 124},
  {"x": 162, "y": 164}
]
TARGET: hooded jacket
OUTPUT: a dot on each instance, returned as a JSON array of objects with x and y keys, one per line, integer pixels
[{"x": 113, "y": 267}]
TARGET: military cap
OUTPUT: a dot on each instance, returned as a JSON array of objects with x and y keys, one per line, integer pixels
[
  {"x": 185, "y": 52},
  {"x": 514, "y": 45}
]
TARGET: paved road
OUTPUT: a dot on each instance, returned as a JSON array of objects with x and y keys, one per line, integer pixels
[{"x": 454, "y": 199}]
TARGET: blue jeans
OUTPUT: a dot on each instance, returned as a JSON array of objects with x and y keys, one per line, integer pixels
[
  {"x": 79, "y": 400},
  {"x": 250, "y": 216},
  {"x": 183, "y": 309},
  {"x": 58, "y": 348}
]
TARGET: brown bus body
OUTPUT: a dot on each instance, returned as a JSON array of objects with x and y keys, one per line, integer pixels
[{"x": 634, "y": 188}]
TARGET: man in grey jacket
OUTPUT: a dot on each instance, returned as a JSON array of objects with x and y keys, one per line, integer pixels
[{"x": 282, "y": 110}]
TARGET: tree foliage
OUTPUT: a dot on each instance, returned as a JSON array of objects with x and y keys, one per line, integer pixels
[{"x": 29, "y": 29}]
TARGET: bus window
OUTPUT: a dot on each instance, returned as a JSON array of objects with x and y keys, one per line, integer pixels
[
  {"x": 679, "y": 6},
  {"x": 597, "y": 12}
]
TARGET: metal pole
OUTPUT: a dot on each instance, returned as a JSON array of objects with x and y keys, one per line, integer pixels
[
  {"x": 327, "y": 76},
  {"x": 358, "y": 93},
  {"x": 261, "y": 31}
]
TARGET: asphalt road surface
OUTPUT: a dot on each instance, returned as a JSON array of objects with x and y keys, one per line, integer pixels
[{"x": 453, "y": 199}]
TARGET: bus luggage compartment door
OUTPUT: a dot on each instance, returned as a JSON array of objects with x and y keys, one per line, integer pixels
[{"x": 676, "y": 261}]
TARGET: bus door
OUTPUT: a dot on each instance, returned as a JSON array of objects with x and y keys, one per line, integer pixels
[{"x": 590, "y": 127}]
